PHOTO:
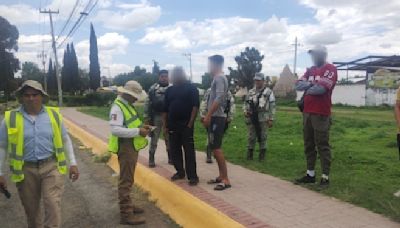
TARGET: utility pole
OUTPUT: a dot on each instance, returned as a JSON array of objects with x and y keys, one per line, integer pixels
[
  {"x": 57, "y": 67},
  {"x": 296, "y": 44},
  {"x": 189, "y": 56},
  {"x": 43, "y": 57}
]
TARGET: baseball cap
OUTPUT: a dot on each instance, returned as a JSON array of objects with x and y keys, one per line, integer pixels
[{"x": 259, "y": 77}]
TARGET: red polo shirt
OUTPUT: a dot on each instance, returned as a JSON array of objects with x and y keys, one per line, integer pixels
[{"x": 325, "y": 76}]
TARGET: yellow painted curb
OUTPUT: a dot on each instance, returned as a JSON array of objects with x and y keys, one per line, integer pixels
[{"x": 184, "y": 208}]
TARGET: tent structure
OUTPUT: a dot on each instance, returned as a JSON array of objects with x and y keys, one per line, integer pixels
[{"x": 285, "y": 84}]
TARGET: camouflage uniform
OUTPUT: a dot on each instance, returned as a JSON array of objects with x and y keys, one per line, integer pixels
[
  {"x": 153, "y": 109},
  {"x": 265, "y": 105},
  {"x": 230, "y": 111}
]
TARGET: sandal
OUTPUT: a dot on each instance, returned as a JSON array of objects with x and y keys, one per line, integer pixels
[
  {"x": 222, "y": 186},
  {"x": 214, "y": 181}
]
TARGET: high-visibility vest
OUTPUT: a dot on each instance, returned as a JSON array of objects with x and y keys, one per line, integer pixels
[
  {"x": 131, "y": 120},
  {"x": 15, "y": 130}
]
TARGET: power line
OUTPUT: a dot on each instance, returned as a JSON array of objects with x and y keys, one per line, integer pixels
[
  {"x": 68, "y": 20},
  {"x": 79, "y": 22}
]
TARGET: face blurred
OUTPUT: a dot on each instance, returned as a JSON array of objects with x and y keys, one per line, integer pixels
[
  {"x": 178, "y": 77},
  {"x": 130, "y": 99},
  {"x": 163, "y": 79},
  {"x": 259, "y": 84},
  {"x": 318, "y": 58},
  {"x": 214, "y": 68},
  {"x": 32, "y": 98}
]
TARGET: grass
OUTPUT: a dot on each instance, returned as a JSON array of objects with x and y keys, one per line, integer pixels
[{"x": 365, "y": 166}]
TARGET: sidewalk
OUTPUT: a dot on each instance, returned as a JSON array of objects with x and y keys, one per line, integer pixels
[{"x": 255, "y": 200}]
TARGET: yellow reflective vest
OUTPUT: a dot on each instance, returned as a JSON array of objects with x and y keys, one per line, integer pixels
[
  {"x": 15, "y": 130},
  {"x": 131, "y": 120}
]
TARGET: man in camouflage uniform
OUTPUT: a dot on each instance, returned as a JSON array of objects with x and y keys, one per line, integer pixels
[
  {"x": 230, "y": 112},
  {"x": 259, "y": 110},
  {"x": 153, "y": 115}
]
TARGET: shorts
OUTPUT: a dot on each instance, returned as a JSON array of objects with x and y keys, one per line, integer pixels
[{"x": 216, "y": 132}]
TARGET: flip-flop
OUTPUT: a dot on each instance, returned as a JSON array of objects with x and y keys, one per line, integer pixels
[
  {"x": 222, "y": 186},
  {"x": 214, "y": 181}
]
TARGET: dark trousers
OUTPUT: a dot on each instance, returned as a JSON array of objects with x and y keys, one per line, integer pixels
[
  {"x": 316, "y": 137},
  {"x": 178, "y": 138}
]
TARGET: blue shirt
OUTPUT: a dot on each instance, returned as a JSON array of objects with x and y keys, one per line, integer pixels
[{"x": 38, "y": 135}]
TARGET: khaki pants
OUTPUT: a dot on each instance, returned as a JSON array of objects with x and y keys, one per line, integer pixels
[
  {"x": 127, "y": 158},
  {"x": 316, "y": 137},
  {"x": 42, "y": 181}
]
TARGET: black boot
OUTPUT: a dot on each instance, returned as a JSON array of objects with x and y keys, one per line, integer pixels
[
  {"x": 152, "y": 164},
  {"x": 262, "y": 154},
  {"x": 250, "y": 154}
]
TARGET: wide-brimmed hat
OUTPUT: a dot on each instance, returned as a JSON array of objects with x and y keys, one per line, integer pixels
[
  {"x": 32, "y": 84},
  {"x": 134, "y": 89}
]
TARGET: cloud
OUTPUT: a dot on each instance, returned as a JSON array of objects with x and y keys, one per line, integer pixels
[
  {"x": 129, "y": 16},
  {"x": 213, "y": 32},
  {"x": 325, "y": 37},
  {"x": 109, "y": 45},
  {"x": 19, "y": 14}
]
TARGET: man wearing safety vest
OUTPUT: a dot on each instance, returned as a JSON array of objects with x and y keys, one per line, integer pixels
[
  {"x": 38, "y": 146},
  {"x": 127, "y": 137}
]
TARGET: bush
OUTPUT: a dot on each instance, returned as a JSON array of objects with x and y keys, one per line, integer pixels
[{"x": 91, "y": 99}]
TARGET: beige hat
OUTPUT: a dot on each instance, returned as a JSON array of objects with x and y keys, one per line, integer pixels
[
  {"x": 34, "y": 85},
  {"x": 134, "y": 89}
]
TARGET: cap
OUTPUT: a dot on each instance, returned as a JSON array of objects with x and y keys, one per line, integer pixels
[
  {"x": 259, "y": 77},
  {"x": 134, "y": 89},
  {"x": 318, "y": 49}
]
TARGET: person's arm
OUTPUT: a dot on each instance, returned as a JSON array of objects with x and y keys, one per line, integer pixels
[
  {"x": 272, "y": 106},
  {"x": 117, "y": 124},
  {"x": 195, "y": 106},
  {"x": 166, "y": 107},
  {"x": 220, "y": 97},
  {"x": 303, "y": 84},
  {"x": 3, "y": 146},
  {"x": 397, "y": 109},
  {"x": 147, "y": 107},
  {"x": 325, "y": 84},
  {"x": 69, "y": 151}
]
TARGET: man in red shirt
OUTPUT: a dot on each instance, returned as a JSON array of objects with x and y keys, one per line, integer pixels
[{"x": 317, "y": 83}]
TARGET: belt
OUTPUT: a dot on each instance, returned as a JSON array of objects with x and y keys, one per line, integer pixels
[{"x": 39, "y": 162}]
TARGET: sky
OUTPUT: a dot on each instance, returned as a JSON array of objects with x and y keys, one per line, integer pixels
[{"x": 136, "y": 32}]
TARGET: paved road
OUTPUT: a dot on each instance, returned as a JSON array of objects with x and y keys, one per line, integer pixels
[
  {"x": 262, "y": 197},
  {"x": 89, "y": 202}
]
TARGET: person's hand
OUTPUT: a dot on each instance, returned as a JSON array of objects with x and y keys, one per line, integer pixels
[
  {"x": 207, "y": 121},
  {"x": 270, "y": 123},
  {"x": 73, "y": 173},
  {"x": 247, "y": 114},
  {"x": 144, "y": 131},
  {"x": 190, "y": 124},
  {"x": 202, "y": 120},
  {"x": 3, "y": 182}
]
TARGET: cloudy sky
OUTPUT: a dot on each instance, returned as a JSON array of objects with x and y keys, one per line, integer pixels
[{"x": 137, "y": 32}]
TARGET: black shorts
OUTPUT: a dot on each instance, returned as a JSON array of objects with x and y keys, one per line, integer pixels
[{"x": 216, "y": 132}]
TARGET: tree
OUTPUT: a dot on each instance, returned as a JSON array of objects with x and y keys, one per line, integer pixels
[
  {"x": 248, "y": 63},
  {"x": 94, "y": 66},
  {"x": 9, "y": 64},
  {"x": 206, "y": 80},
  {"x": 140, "y": 75},
  {"x": 74, "y": 70},
  {"x": 66, "y": 71},
  {"x": 51, "y": 79},
  {"x": 31, "y": 71}
]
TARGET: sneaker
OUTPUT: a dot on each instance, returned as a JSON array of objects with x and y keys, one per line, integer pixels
[
  {"x": 324, "y": 182},
  {"x": 209, "y": 160},
  {"x": 193, "y": 182},
  {"x": 177, "y": 176},
  {"x": 307, "y": 179}
]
